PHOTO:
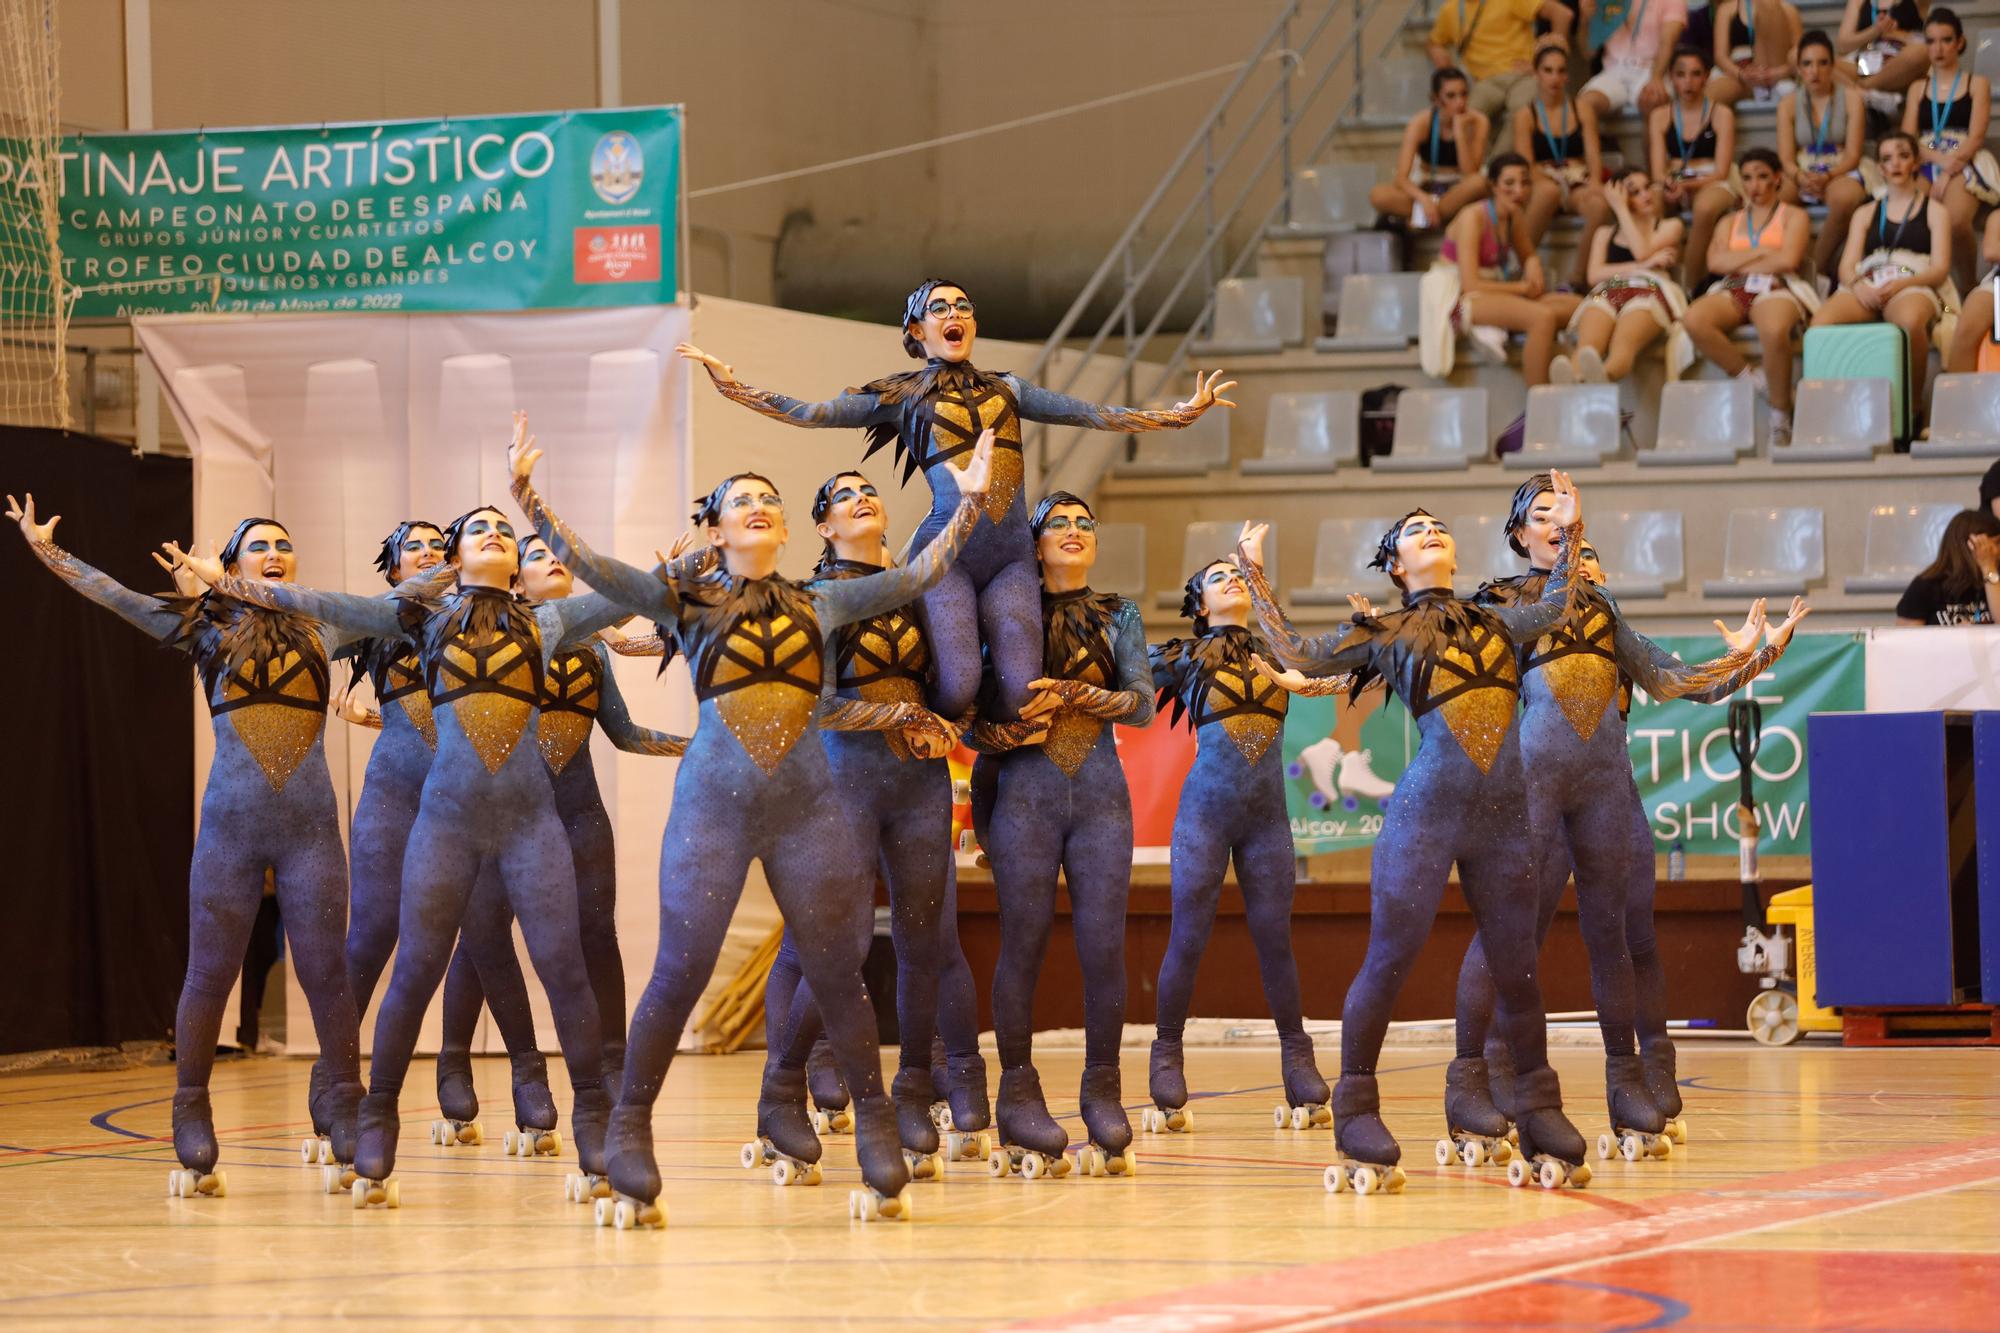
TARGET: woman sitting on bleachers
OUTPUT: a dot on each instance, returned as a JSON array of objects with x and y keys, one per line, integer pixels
[
  {"x": 1962, "y": 585},
  {"x": 1897, "y": 265},
  {"x": 1633, "y": 297},
  {"x": 1975, "y": 315},
  {"x": 1822, "y": 134},
  {"x": 1758, "y": 252},
  {"x": 1431, "y": 185},
  {"x": 1886, "y": 39},
  {"x": 1949, "y": 112},
  {"x": 1756, "y": 50},
  {"x": 1568, "y": 161},
  {"x": 1691, "y": 142}
]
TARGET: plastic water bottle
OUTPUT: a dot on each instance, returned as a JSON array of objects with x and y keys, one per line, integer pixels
[{"x": 1677, "y": 860}]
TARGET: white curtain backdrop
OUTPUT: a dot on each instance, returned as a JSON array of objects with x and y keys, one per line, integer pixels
[{"x": 342, "y": 426}]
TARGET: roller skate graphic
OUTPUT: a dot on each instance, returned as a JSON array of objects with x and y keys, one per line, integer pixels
[
  {"x": 1368, "y": 1152},
  {"x": 785, "y": 1140},
  {"x": 1167, "y": 1086},
  {"x": 633, "y": 1203},
  {"x": 534, "y": 1133},
  {"x": 1552, "y": 1152},
  {"x": 458, "y": 1102},
  {"x": 1476, "y": 1130},
  {"x": 1031, "y": 1142},
  {"x": 1638, "y": 1130},
  {"x": 1109, "y": 1149},
  {"x": 1319, "y": 764},
  {"x": 1307, "y": 1102},
  {"x": 968, "y": 1138},
  {"x": 195, "y": 1147},
  {"x": 1663, "y": 1086},
  {"x": 912, "y": 1094},
  {"x": 885, "y": 1180},
  {"x": 829, "y": 1091},
  {"x": 588, "y": 1117},
  {"x": 1358, "y": 781}
]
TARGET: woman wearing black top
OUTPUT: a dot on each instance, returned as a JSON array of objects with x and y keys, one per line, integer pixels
[
  {"x": 1886, "y": 39},
  {"x": 1553, "y": 135},
  {"x": 1437, "y": 168},
  {"x": 1948, "y": 111},
  {"x": 1962, "y": 585}
]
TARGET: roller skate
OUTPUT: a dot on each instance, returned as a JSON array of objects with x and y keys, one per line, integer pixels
[
  {"x": 534, "y": 1133},
  {"x": 1109, "y": 1150},
  {"x": 1637, "y": 1127},
  {"x": 940, "y": 1086},
  {"x": 457, "y": 1100},
  {"x": 970, "y": 1138},
  {"x": 194, "y": 1146},
  {"x": 340, "y": 1105},
  {"x": 318, "y": 1149},
  {"x": 1031, "y": 1142},
  {"x": 634, "y": 1201},
  {"x": 785, "y": 1140},
  {"x": 878, "y": 1149},
  {"x": 590, "y": 1108},
  {"x": 1168, "y": 1088},
  {"x": 912, "y": 1093},
  {"x": 1368, "y": 1151},
  {"x": 375, "y": 1153},
  {"x": 1476, "y": 1131},
  {"x": 831, "y": 1114},
  {"x": 1552, "y": 1151},
  {"x": 1306, "y": 1095},
  {"x": 1662, "y": 1086}
]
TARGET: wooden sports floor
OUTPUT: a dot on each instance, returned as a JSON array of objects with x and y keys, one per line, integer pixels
[{"x": 1820, "y": 1188}]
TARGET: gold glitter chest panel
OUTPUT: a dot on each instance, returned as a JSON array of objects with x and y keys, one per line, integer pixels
[
  {"x": 1073, "y": 734},
  {"x": 1478, "y": 692},
  {"x": 882, "y": 660},
  {"x": 491, "y": 679},
  {"x": 571, "y": 689},
  {"x": 764, "y": 676},
  {"x": 277, "y": 707},
  {"x": 402, "y": 682},
  {"x": 1250, "y": 708},
  {"x": 959, "y": 415},
  {"x": 1576, "y": 661}
]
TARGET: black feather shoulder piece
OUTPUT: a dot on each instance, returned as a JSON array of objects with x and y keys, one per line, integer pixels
[
  {"x": 719, "y": 603},
  {"x": 1080, "y": 624},
  {"x": 223, "y": 634},
  {"x": 1526, "y": 589},
  {"x": 479, "y": 615},
  {"x": 914, "y": 392},
  {"x": 1183, "y": 668},
  {"x": 1428, "y": 623}
]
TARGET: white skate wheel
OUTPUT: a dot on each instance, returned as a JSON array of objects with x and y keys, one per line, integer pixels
[
  {"x": 1472, "y": 1152},
  {"x": 1125, "y": 1163},
  {"x": 309, "y": 1151},
  {"x": 1604, "y": 1147},
  {"x": 360, "y": 1192},
  {"x": 820, "y": 1123},
  {"x": 750, "y": 1156},
  {"x": 1301, "y": 1117},
  {"x": 1187, "y": 1120},
  {"x": 905, "y": 1206},
  {"x": 553, "y": 1144},
  {"x": 622, "y": 1216},
  {"x": 602, "y": 1212},
  {"x": 1280, "y": 1117},
  {"x": 1334, "y": 1179},
  {"x": 997, "y": 1164},
  {"x": 1550, "y": 1176},
  {"x": 1517, "y": 1172},
  {"x": 1444, "y": 1153},
  {"x": 1629, "y": 1147},
  {"x": 783, "y": 1172},
  {"x": 1032, "y": 1165},
  {"x": 1146, "y": 1120},
  {"x": 392, "y": 1194},
  {"x": 173, "y": 1184},
  {"x": 329, "y": 1179},
  {"x": 1365, "y": 1180},
  {"x": 507, "y": 1143}
]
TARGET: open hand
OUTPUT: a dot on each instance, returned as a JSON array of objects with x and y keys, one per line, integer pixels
[
  {"x": 1050, "y": 694},
  {"x": 1743, "y": 640},
  {"x": 1250, "y": 543},
  {"x": 1291, "y": 679},
  {"x": 1985, "y": 550},
  {"x": 1362, "y": 606},
  {"x": 23, "y": 512},
  {"x": 978, "y": 474},
  {"x": 522, "y": 455},
  {"x": 1567, "y": 511},
  {"x": 185, "y": 583},
  {"x": 207, "y": 568},
  {"x": 1780, "y": 635},
  {"x": 1208, "y": 393},
  {"x": 717, "y": 371}
]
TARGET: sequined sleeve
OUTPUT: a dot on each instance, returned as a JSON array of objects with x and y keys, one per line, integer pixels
[
  {"x": 850, "y": 409},
  {"x": 1132, "y": 702},
  {"x": 135, "y": 608},
  {"x": 640, "y": 645},
  {"x": 1527, "y": 621},
  {"x": 844, "y": 601},
  {"x": 1664, "y": 676},
  {"x": 1059, "y": 409},
  {"x": 1317, "y": 654},
  {"x": 349, "y": 617},
  {"x": 999, "y": 737},
  {"x": 616, "y": 718},
  {"x": 568, "y": 621},
  {"x": 626, "y": 586}
]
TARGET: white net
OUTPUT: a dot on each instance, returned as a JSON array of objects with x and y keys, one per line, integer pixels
[{"x": 34, "y": 311}]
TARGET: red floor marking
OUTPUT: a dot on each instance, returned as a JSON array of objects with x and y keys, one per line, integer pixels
[
  {"x": 1777, "y": 1290},
  {"x": 1382, "y": 1283}
]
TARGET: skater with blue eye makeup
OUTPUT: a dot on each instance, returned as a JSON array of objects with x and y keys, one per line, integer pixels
[
  {"x": 1049, "y": 797},
  {"x": 755, "y": 784},
  {"x": 1232, "y": 804},
  {"x": 268, "y": 807}
]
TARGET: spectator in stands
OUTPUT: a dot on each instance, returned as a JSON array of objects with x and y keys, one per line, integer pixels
[
  {"x": 1822, "y": 133},
  {"x": 1633, "y": 298},
  {"x": 1989, "y": 491},
  {"x": 1489, "y": 260},
  {"x": 1437, "y": 168},
  {"x": 1975, "y": 315},
  {"x": 1563, "y": 145},
  {"x": 1638, "y": 39},
  {"x": 1495, "y": 42},
  {"x": 1756, "y": 50},
  {"x": 1897, "y": 265},
  {"x": 1691, "y": 145},
  {"x": 1758, "y": 253},
  {"x": 1887, "y": 43},
  {"x": 1961, "y": 586},
  {"x": 1948, "y": 112}
]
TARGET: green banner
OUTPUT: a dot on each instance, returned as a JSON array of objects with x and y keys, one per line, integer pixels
[
  {"x": 1342, "y": 763},
  {"x": 556, "y": 211}
]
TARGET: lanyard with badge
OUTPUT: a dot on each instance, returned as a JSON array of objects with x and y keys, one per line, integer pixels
[
  {"x": 1558, "y": 148},
  {"x": 1680, "y": 131},
  {"x": 1758, "y": 283},
  {"x": 1941, "y": 109}
]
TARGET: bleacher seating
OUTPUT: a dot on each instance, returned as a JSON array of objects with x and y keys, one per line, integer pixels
[
  {"x": 1254, "y": 316},
  {"x": 1569, "y": 426},
  {"x": 1215, "y": 540},
  {"x": 1341, "y": 553},
  {"x": 1965, "y": 418},
  {"x": 1437, "y": 430},
  {"x": 1378, "y": 313},
  {"x": 1901, "y": 540},
  {"x": 1330, "y": 197},
  {"x": 1838, "y": 421},
  {"x": 1121, "y": 560},
  {"x": 1703, "y": 421},
  {"x": 1641, "y": 550},
  {"x": 1774, "y": 552},
  {"x": 1188, "y": 452},
  {"x": 1310, "y": 432},
  {"x": 1396, "y": 88},
  {"x": 1986, "y": 53}
]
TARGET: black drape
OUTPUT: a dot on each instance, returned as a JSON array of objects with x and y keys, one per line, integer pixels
[{"x": 97, "y": 828}]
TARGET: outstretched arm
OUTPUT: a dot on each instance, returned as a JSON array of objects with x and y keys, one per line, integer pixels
[
  {"x": 843, "y": 601},
  {"x": 850, "y": 409},
  {"x": 626, "y": 589},
  {"x": 1059, "y": 409},
  {"x": 1317, "y": 654},
  {"x": 1664, "y": 676},
  {"x": 346, "y": 615},
  {"x": 135, "y": 608},
  {"x": 1526, "y": 623},
  {"x": 617, "y": 721}
]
